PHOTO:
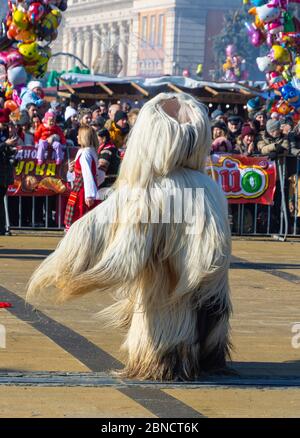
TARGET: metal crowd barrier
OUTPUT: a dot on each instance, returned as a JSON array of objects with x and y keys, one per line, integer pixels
[
  {"x": 41, "y": 215},
  {"x": 280, "y": 220}
]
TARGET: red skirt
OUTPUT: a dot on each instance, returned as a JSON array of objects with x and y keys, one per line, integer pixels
[{"x": 76, "y": 207}]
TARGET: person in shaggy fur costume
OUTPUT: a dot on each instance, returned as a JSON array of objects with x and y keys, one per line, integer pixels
[{"x": 160, "y": 243}]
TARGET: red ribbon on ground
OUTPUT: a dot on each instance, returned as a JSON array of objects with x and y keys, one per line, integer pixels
[{"x": 5, "y": 305}]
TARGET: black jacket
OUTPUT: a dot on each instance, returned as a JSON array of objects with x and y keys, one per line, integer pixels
[{"x": 7, "y": 154}]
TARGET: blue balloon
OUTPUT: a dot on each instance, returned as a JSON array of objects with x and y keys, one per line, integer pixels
[{"x": 291, "y": 95}]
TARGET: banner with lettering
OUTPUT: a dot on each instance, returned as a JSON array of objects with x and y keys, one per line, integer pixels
[
  {"x": 47, "y": 179},
  {"x": 244, "y": 180}
]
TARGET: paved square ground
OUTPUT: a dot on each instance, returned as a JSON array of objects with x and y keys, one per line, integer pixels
[{"x": 70, "y": 340}]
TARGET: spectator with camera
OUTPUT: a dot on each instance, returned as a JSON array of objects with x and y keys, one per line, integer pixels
[{"x": 7, "y": 154}]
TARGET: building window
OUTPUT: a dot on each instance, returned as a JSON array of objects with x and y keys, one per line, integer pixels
[
  {"x": 152, "y": 30},
  {"x": 144, "y": 32},
  {"x": 161, "y": 25}
]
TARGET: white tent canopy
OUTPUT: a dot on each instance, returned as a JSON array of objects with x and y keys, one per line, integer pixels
[{"x": 179, "y": 81}]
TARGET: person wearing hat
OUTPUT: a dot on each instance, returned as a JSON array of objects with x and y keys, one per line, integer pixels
[
  {"x": 273, "y": 142},
  {"x": 246, "y": 141},
  {"x": 217, "y": 115},
  {"x": 71, "y": 107},
  {"x": 95, "y": 110},
  {"x": 7, "y": 153},
  {"x": 108, "y": 159},
  {"x": 103, "y": 109},
  {"x": 70, "y": 112},
  {"x": 219, "y": 129},
  {"x": 32, "y": 94},
  {"x": 234, "y": 128},
  {"x": 119, "y": 129},
  {"x": 261, "y": 117},
  {"x": 50, "y": 134},
  {"x": 253, "y": 106}
]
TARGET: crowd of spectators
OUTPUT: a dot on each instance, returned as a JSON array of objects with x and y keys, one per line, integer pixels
[
  {"x": 255, "y": 135},
  {"x": 56, "y": 124},
  {"x": 276, "y": 137}
]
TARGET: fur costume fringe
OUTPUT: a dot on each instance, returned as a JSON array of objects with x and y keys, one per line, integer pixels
[{"x": 169, "y": 280}]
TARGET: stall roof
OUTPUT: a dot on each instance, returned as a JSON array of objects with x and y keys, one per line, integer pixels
[
  {"x": 179, "y": 81},
  {"x": 94, "y": 87}
]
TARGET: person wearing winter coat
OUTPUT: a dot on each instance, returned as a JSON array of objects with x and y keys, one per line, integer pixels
[
  {"x": 7, "y": 153},
  {"x": 218, "y": 129},
  {"x": 108, "y": 158},
  {"x": 49, "y": 134},
  {"x": 32, "y": 94},
  {"x": 234, "y": 128},
  {"x": 245, "y": 144},
  {"x": 273, "y": 142},
  {"x": 119, "y": 129}
]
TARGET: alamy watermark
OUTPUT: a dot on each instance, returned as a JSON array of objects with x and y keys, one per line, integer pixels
[
  {"x": 2, "y": 336},
  {"x": 296, "y": 337},
  {"x": 158, "y": 206}
]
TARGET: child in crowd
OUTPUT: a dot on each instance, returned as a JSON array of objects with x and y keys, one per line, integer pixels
[
  {"x": 108, "y": 158},
  {"x": 49, "y": 134},
  {"x": 87, "y": 177},
  {"x": 33, "y": 94}
]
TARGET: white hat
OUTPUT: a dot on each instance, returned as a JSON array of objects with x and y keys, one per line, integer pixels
[
  {"x": 275, "y": 116},
  {"x": 70, "y": 112},
  {"x": 34, "y": 84}
]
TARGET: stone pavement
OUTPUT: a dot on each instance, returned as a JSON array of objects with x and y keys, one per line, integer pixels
[{"x": 57, "y": 360}]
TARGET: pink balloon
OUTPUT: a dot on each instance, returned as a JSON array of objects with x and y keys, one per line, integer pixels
[{"x": 230, "y": 50}]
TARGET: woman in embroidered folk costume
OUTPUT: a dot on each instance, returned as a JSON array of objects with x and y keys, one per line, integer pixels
[
  {"x": 169, "y": 277},
  {"x": 86, "y": 177}
]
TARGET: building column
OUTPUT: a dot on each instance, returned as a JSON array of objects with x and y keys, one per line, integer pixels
[
  {"x": 104, "y": 48},
  {"x": 80, "y": 44},
  {"x": 133, "y": 45},
  {"x": 123, "y": 46},
  {"x": 104, "y": 42},
  {"x": 96, "y": 46},
  {"x": 65, "y": 47},
  {"x": 87, "y": 45},
  {"x": 114, "y": 34},
  {"x": 72, "y": 48}
]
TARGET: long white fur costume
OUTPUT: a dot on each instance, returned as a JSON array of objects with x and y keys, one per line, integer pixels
[{"x": 170, "y": 284}]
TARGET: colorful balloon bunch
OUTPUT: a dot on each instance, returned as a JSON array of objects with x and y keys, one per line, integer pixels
[
  {"x": 25, "y": 36},
  {"x": 275, "y": 26},
  {"x": 235, "y": 66}
]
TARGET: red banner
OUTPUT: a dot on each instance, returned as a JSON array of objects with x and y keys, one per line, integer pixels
[
  {"x": 244, "y": 180},
  {"x": 47, "y": 179}
]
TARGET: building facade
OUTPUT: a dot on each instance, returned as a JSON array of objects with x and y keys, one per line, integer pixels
[
  {"x": 141, "y": 37},
  {"x": 3, "y": 9}
]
